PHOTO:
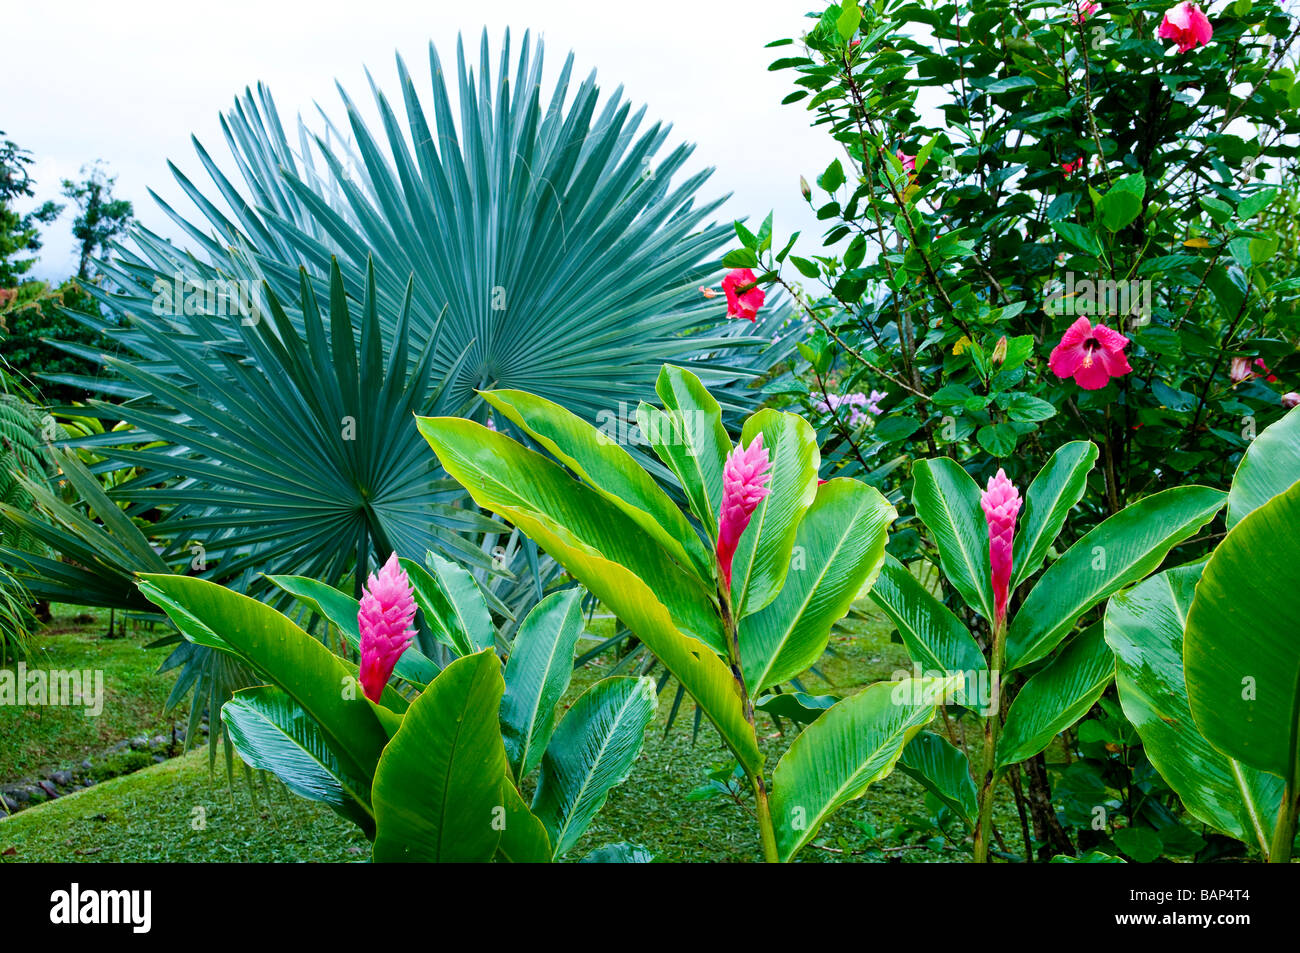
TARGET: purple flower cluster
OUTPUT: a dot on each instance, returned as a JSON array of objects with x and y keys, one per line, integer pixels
[{"x": 859, "y": 405}]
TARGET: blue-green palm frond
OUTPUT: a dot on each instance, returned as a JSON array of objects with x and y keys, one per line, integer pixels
[{"x": 555, "y": 238}]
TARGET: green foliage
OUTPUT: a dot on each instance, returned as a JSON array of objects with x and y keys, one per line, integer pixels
[
  {"x": 1063, "y": 168},
  {"x": 547, "y": 244},
  {"x": 1055, "y": 679},
  {"x": 427, "y": 778},
  {"x": 19, "y": 232},
  {"x": 41, "y": 339},
  {"x": 1144, "y": 627},
  {"x": 100, "y": 217},
  {"x": 1216, "y": 711},
  {"x": 592, "y": 520}
]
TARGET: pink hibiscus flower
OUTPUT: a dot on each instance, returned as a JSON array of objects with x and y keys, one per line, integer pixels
[
  {"x": 1187, "y": 26},
  {"x": 743, "y": 304},
  {"x": 1091, "y": 355}
]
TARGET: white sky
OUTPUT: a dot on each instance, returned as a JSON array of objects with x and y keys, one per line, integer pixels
[{"x": 129, "y": 82}]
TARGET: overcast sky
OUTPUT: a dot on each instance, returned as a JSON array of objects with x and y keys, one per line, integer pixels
[{"x": 129, "y": 82}]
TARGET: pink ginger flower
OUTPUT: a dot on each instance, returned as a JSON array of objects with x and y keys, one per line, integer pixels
[
  {"x": 1084, "y": 10},
  {"x": 1187, "y": 26},
  {"x": 1092, "y": 356},
  {"x": 1001, "y": 504},
  {"x": 387, "y": 609},
  {"x": 744, "y": 304},
  {"x": 744, "y": 484},
  {"x": 1290, "y": 400}
]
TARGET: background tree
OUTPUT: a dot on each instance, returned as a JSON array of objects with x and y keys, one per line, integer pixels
[
  {"x": 19, "y": 233},
  {"x": 101, "y": 218}
]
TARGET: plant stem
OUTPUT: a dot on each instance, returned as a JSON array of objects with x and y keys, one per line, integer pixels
[
  {"x": 1112, "y": 489},
  {"x": 766, "y": 832},
  {"x": 1284, "y": 832},
  {"x": 992, "y": 724},
  {"x": 1024, "y": 816}
]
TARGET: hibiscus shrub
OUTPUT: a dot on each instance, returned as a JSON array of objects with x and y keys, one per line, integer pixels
[{"x": 1048, "y": 223}]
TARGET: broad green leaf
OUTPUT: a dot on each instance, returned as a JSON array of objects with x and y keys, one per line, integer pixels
[
  {"x": 1140, "y": 843},
  {"x": 1091, "y": 857},
  {"x": 271, "y": 733},
  {"x": 620, "y": 853},
  {"x": 800, "y": 708},
  {"x": 561, "y": 516},
  {"x": 997, "y": 439},
  {"x": 836, "y": 758},
  {"x": 763, "y": 554},
  {"x": 523, "y": 838},
  {"x": 537, "y": 675},
  {"x": 438, "y": 788},
  {"x": 848, "y": 20},
  {"x": 1241, "y": 649},
  {"x": 1079, "y": 237},
  {"x": 1121, "y": 550},
  {"x": 591, "y": 753},
  {"x": 948, "y": 502},
  {"x": 689, "y": 438},
  {"x": 527, "y": 488},
  {"x": 839, "y": 546},
  {"x": 934, "y": 637},
  {"x": 1010, "y": 84},
  {"x": 1056, "y": 697},
  {"x": 1270, "y": 465},
  {"x": 1123, "y": 203},
  {"x": 944, "y": 771},
  {"x": 607, "y": 468},
  {"x": 452, "y": 602},
  {"x": 341, "y": 610},
  {"x": 1029, "y": 409},
  {"x": 1144, "y": 628},
  {"x": 1050, "y": 497},
  {"x": 322, "y": 684}
]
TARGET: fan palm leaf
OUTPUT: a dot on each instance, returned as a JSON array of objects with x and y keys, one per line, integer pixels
[{"x": 546, "y": 244}]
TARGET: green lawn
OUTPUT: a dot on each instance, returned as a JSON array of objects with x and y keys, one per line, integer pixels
[
  {"x": 152, "y": 815},
  {"x": 179, "y": 811},
  {"x": 40, "y": 738}
]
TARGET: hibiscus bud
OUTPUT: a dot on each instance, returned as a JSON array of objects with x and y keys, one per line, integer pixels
[
  {"x": 385, "y": 615},
  {"x": 1290, "y": 400},
  {"x": 805, "y": 189},
  {"x": 1239, "y": 370},
  {"x": 744, "y": 484},
  {"x": 1000, "y": 350},
  {"x": 1001, "y": 504}
]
